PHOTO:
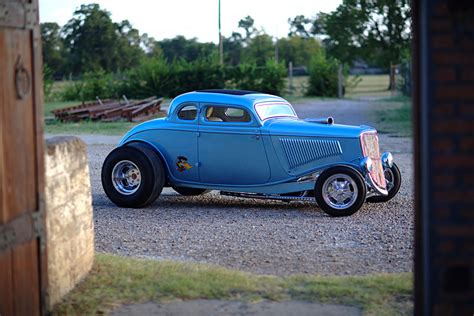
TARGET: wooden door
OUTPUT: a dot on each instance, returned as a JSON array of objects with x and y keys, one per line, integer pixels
[{"x": 22, "y": 249}]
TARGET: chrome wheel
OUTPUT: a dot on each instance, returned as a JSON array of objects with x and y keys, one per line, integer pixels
[
  {"x": 389, "y": 178},
  {"x": 126, "y": 177},
  {"x": 340, "y": 191}
]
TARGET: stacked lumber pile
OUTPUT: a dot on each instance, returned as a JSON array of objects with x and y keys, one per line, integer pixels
[{"x": 111, "y": 110}]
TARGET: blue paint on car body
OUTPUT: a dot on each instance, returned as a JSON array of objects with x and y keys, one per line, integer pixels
[{"x": 255, "y": 155}]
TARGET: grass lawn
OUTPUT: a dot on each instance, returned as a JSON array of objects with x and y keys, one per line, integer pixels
[
  {"x": 120, "y": 280},
  {"x": 89, "y": 127},
  {"x": 396, "y": 117},
  {"x": 300, "y": 84},
  {"x": 53, "y": 105},
  {"x": 370, "y": 85}
]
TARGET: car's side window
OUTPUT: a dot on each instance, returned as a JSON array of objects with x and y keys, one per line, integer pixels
[
  {"x": 188, "y": 112},
  {"x": 226, "y": 114}
]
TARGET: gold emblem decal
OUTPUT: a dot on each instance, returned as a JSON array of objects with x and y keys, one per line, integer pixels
[{"x": 182, "y": 164}]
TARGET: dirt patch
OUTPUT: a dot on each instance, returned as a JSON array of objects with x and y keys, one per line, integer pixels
[{"x": 215, "y": 307}]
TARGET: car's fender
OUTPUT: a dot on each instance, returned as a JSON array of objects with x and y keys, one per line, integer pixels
[{"x": 135, "y": 142}]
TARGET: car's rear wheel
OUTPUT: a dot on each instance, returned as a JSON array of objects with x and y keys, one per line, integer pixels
[
  {"x": 393, "y": 178},
  {"x": 190, "y": 191},
  {"x": 340, "y": 191},
  {"x": 132, "y": 176}
]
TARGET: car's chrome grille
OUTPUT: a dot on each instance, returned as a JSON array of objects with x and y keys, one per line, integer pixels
[
  {"x": 299, "y": 152},
  {"x": 370, "y": 148}
]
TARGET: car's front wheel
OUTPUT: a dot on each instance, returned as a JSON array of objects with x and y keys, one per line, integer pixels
[
  {"x": 340, "y": 191},
  {"x": 132, "y": 176}
]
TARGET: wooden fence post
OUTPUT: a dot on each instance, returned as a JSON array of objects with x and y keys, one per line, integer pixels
[
  {"x": 340, "y": 82},
  {"x": 290, "y": 77}
]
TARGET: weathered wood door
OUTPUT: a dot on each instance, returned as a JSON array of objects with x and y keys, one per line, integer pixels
[{"x": 22, "y": 253}]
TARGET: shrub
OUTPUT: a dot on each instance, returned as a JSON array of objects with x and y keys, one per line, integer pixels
[
  {"x": 323, "y": 79},
  {"x": 197, "y": 75},
  {"x": 99, "y": 84},
  {"x": 151, "y": 77},
  {"x": 93, "y": 85},
  {"x": 47, "y": 81},
  {"x": 73, "y": 91},
  {"x": 157, "y": 77},
  {"x": 268, "y": 79}
]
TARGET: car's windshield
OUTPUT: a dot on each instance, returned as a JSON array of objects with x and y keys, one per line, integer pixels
[{"x": 274, "y": 109}]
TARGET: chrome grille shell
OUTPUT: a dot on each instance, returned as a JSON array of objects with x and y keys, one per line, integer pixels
[{"x": 370, "y": 148}]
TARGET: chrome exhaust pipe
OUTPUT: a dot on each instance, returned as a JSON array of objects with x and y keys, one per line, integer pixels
[{"x": 322, "y": 120}]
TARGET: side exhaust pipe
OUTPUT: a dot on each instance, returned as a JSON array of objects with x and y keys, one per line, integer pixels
[{"x": 322, "y": 120}]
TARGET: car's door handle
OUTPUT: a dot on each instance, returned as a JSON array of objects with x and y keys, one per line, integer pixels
[{"x": 256, "y": 136}]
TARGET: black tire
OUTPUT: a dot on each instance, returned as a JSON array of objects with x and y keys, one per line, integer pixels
[
  {"x": 397, "y": 182},
  {"x": 190, "y": 191},
  {"x": 151, "y": 172},
  {"x": 357, "y": 183}
]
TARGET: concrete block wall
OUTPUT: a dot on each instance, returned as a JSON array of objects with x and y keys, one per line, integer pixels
[{"x": 69, "y": 221}]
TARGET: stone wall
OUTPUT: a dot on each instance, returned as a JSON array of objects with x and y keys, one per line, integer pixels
[{"x": 69, "y": 222}]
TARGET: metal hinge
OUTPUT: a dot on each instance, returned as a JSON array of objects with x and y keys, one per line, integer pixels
[
  {"x": 16, "y": 14},
  {"x": 39, "y": 229},
  {"x": 7, "y": 238},
  {"x": 23, "y": 229}
]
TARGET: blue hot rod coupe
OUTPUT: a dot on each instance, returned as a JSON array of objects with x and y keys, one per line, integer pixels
[{"x": 253, "y": 145}]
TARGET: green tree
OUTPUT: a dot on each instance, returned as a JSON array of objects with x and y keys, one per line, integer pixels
[
  {"x": 130, "y": 45},
  {"x": 233, "y": 48},
  {"x": 297, "y": 50},
  {"x": 151, "y": 46},
  {"x": 377, "y": 31},
  {"x": 54, "y": 54},
  {"x": 93, "y": 40},
  {"x": 323, "y": 79},
  {"x": 187, "y": 49},
  {"x": 259, "y": 50},
  {"x": 247, "y": 24},
  {"x": 299, "y": 26},
  {"x": 235, "y": 45}
]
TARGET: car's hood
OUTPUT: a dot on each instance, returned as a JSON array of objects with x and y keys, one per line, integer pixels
[{"x": 298, "y": 127}]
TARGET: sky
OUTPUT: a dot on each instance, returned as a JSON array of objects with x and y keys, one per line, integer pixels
[{"x": 193, "y": 18}]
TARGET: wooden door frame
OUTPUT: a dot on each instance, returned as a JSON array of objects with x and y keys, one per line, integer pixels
[{"x": 24, "y": 15}]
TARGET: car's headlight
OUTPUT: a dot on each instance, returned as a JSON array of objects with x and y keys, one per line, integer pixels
[
  {"x": 366, "y": 164},
  {"x": 387, "y": 160}
]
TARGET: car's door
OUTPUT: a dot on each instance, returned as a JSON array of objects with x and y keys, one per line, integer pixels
[
  {"x": 180, "y": 142},
  {"x": 230, "y": 146}
]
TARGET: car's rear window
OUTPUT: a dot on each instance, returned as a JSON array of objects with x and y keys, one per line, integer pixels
[
  {"x": 188, "y": 112},
  {"x": 274, "y": 109}
]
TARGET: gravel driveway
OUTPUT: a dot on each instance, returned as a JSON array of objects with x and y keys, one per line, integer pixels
[{"x": 266, "y": 237}]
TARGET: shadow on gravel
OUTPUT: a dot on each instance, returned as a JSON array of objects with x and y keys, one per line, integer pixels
[{"x": 216, "y": 203}]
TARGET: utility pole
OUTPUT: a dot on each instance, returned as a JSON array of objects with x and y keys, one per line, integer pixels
[
  {"x": 276, "y": 50},
  {"x": 221, "y": 46},
  {"x": 340, "y": 82}
]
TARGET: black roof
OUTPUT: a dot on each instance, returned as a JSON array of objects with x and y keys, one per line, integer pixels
[{"x": 227, "y": 91}]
